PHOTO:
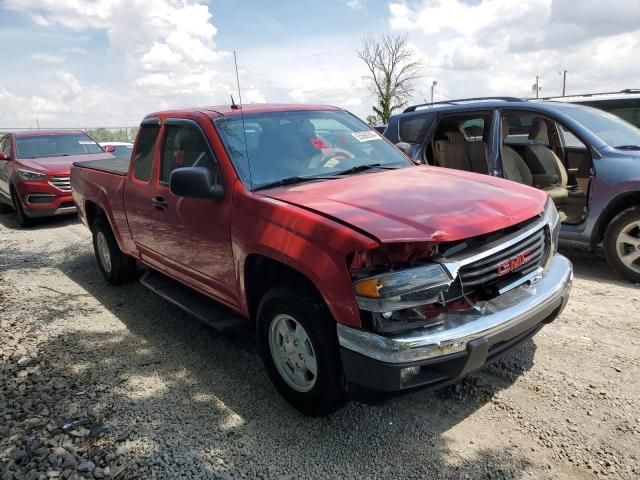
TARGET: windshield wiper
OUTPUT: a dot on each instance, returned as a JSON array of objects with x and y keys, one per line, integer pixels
[
  {"x": 289, "y": 181},
  {"x": 628, "y": 147},
  {"x": 362, "y": 168}
]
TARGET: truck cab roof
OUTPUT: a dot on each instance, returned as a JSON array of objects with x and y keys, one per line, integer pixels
[{"x": 217, "y": 111}]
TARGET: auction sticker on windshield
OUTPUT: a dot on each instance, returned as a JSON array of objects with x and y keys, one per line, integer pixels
[{"x": 366, "y": 136}]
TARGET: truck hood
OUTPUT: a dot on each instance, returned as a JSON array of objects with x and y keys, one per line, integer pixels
[
  {"x": 59, "y": 165},
  {"x": 418, "y": 203}
]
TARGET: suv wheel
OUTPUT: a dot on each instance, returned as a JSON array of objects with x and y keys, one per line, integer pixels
[
  {"x": 23, "y": 220},
  {"x": 299, "y": 347},
  {"x": 622, "y": 243},
  {"x": 116, "y": 267}
]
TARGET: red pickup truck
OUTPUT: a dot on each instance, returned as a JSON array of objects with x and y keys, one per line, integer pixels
[
  {"x": 356, "y": 266},
  {"x": 34, "y": 171}
]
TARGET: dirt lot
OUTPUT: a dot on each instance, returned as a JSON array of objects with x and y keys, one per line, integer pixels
[{"x": 115, "y": 382}]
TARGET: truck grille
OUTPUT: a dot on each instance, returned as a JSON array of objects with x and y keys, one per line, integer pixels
[
  {"x": 61, "y": 182},
  {"x": 501, "y": 265}
]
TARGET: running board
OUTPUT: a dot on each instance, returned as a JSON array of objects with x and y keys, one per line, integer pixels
[{"x": 203, "y": 308}]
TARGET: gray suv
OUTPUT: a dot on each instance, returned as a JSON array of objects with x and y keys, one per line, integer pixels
[{"x": 587, "y": 160}]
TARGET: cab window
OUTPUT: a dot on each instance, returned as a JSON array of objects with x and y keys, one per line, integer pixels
[
  {"x": 143, "y": 160},
  {"x": 184, "y": 146}
]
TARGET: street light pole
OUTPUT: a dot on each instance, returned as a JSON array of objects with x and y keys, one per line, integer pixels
[
  {"x": 564, "y": 83},
  {"x": 433, "y": 85}
]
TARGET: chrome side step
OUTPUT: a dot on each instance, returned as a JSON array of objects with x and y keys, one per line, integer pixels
[{"x": 203, "y": 308}]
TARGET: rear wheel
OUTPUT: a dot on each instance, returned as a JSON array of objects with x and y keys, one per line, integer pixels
[
  {"x": 116, "y": 267},
  {"x": 23, "y": 220},
  {"x": 622, "y": 243},
  {"x": 299, "y": 347}
]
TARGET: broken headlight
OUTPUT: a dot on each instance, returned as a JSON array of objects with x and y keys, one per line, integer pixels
[{"x": 401, "y": 289}]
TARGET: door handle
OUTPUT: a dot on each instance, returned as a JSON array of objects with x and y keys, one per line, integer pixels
[{"x": 159, "y": 202}]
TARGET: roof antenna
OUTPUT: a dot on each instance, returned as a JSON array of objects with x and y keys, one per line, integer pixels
[{"x": 244, "y": 131}]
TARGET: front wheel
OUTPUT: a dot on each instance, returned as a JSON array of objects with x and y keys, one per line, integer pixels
[
  {"x": 299, "y": 347},
  {"x": 622, "y": 243},
  {"x": 23, "y": 220},
  {"x": 116, "y": 267}
]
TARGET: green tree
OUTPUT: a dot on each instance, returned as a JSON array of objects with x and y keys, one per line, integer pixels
[
  {"x": 392, "y": 71},
  {"x": 373, "y": 120}
]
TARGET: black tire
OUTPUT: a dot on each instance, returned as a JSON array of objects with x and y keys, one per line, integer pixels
[
  {"x": 613, "y": 252},
  {"x": 304, "y": 305},
  {"x": 119, "y": 268},
  {"x": 23, "y": 220},
  {"x": 4, "y": 208}
]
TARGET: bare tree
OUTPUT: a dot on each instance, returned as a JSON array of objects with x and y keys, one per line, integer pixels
[{"x": 392, "y": 71}]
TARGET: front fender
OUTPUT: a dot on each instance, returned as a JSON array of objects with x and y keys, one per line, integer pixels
[{"x": 311, "y": 244}]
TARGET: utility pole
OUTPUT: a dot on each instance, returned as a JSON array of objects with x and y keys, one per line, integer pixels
[
  {"x": 536, "y": 87},
  {"x": 564, "y": 83},
  {"x": 433, "y": 85}
]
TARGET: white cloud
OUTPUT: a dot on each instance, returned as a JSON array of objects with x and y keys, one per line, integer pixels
[
  {"x": 497, "y": 47},
  {"x": 355, "y": 4},
  {"x": 47, "y": 57},
  {"x": 164, "y": 54}
]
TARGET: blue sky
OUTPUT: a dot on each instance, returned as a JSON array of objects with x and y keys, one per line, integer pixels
[{"x": 109, "y": 62}]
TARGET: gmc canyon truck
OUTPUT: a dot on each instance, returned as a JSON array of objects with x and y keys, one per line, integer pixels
[{"x": 357, "y": 266}]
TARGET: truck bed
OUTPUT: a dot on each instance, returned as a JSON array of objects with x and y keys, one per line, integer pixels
[{"x": 117, "y": 166}]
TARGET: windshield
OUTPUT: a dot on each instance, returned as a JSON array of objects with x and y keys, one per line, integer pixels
[
  {"x": 41, "y": 146},
  {"x": 283, "y": 145},
  {"x": 611, "y": 129}
]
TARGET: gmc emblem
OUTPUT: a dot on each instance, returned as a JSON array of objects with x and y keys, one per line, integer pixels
[{"x": 514, "y": 262}]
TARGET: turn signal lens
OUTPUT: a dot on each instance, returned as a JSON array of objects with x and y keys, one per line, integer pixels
[{"x": 369, "y": 287}]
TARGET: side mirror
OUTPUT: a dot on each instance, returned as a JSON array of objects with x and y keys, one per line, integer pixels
[
  {"x": 4, "y": 156},
  {"x": 109, "y": 149},
  {"x": 195, "y": 182},
  {"x": 405, "y": 148}
]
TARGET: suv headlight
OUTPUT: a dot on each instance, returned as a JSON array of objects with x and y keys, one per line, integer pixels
[
  {"x": 552, "y": 218},
  {"x": 402, "y": 289},
  {"x": 29, "y": 175}
]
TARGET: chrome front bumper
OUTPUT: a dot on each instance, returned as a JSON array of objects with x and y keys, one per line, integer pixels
[{"x": 504, "y": 316}]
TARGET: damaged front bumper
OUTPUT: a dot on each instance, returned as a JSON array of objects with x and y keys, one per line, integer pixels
[{"x": 464, "y": 343}]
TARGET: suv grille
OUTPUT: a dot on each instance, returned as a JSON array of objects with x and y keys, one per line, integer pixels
[
  {"x": 501, "y": 265},
  {"x": 61, "y": 182}
]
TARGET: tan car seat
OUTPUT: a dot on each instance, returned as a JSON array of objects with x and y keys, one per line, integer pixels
[
  {"x": 514, "y": 168},
  {"x": 540, "y": 157}
]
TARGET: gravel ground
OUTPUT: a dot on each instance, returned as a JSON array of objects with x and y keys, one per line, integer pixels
[{"x": 105, "y": 382}]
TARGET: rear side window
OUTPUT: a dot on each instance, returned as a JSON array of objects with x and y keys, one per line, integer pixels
[
  {"x": 414, "y": 128},
  {"x": 4, "y": 145},
  {"x": 144, "y": 152},
  {"x": 184, "y": 146}
]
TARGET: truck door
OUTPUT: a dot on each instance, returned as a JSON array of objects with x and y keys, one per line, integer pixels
[
  {"x": 140, "y": 191},
  {"x": 193, "y": 234}
]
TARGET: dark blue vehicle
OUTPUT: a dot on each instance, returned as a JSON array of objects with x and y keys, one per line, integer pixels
[{"x": 587, "y": 160}]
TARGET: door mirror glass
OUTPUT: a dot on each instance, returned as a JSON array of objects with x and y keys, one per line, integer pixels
[{"x": 195, "y": 182}]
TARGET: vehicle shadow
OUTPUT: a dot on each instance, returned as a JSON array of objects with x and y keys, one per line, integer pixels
[
  {"x": 223, "y": 393},
  {"x": 593, "y": 266},
  {"x": 10, "y": 220}
]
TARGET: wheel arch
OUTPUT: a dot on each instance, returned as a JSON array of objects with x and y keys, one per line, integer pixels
[
  {"x": 261, "y": 273},
  {"x": 93, "y": 211},
  {"x": 616, "y": 206}
]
